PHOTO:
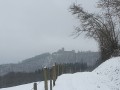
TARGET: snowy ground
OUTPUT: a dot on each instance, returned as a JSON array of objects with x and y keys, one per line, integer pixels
[
  {"x": 105, "y": 77},
  {"x": 26, "y": 87}
]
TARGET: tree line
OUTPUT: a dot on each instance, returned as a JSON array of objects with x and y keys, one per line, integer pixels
[{"x": 19, "y": 78}]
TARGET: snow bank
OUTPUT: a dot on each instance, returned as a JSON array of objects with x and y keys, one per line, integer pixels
[
  {"x": 82, "y": 81},
  {"x": 110, "y": 69},
  {"x": 105, "y": 77}
]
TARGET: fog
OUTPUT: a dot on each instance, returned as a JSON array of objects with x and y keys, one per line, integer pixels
[{"x": 32, "y": 27}]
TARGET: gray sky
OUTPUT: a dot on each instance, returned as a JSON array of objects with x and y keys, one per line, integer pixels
[{"x": 32, "y": 27}]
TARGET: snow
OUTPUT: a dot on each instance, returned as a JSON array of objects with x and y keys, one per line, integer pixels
[
  {"x": 104, "y": 77},
  {"x": 26, "y": 87},
  {"x": 82, "y": 81},
  {"x": 110, "y": 69}
]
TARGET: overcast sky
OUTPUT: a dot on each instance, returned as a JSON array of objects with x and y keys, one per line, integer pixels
[{"x": 32, "y": 27}]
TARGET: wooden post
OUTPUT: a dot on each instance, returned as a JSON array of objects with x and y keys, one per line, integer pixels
[
  {"x": 55, "y": 71},
  {"x": 56, "y": 66},
  {"x": 50, "y": 79},
  {"x": 54, "y": 74},
  {"x": 62, "y": 69},
  {"x": 58, "y": 70},
  {"x": 45, "y": 78},
  {"x": 35, "y": 86}
]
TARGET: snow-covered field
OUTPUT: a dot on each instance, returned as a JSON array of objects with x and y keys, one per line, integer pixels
[{"x": 105, "y": 77}]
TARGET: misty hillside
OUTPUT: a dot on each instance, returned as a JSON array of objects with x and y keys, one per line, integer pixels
[{"x": 47, "y": 59}]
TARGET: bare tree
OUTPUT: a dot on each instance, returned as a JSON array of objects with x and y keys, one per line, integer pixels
[
  {"x": 104, "y": 27},
  {"x": 113, "y": 5}
]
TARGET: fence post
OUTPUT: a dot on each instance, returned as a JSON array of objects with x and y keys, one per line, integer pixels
[
  {"x": 62, "y": 69},
  {"x": 54, "y": 74},
  {"x": 58, "y": 70},
  {"x": 45, "y": 78},
  {"x": 50, "y": 79},
  {"x": 35, "y": 86}
]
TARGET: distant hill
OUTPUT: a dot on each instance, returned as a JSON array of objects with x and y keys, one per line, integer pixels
[{"x": 47, "y": 59}]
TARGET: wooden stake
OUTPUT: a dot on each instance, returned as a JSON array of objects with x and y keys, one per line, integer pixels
[
  {"x": 35, "y": 86},
  {"x": 54, "y": 74},
  {"x": 45, "y": 78},
  {"x": 50, "y": 79}
]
